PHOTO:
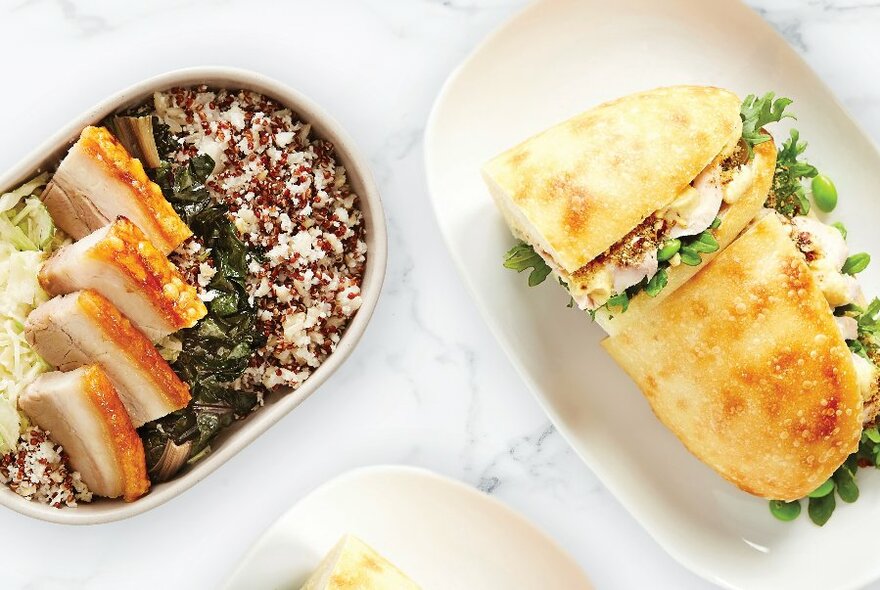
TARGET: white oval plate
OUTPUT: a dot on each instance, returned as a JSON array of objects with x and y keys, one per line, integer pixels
[
  {"x": 440, "y": 532},
  {"x": 243, "y": 432},
  {"x": 554, "y": 60}
]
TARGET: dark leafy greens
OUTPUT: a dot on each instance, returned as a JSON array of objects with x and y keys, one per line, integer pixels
[{"x": 216, "y": 350}]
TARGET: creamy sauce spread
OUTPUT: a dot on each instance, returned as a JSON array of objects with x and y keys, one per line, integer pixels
[{"x": 826, "y": 251}]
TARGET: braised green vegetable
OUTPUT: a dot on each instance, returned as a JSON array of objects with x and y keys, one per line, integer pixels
[{"x": 215, "y": 351}]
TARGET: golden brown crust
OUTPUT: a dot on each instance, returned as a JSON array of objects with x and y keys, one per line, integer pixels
[
  {"x": 127, "y": 248},
  {"x": 119, "y": 330},
  {"x": 744, "y": 363},
  {"x": 734, "y": 218},
  {"x": 120, "y": 433},
  {"x": 104, "y": 148},
  {"x": 588, "y": 181}
]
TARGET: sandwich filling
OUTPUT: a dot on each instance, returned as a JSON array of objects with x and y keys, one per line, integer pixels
[{"x": 677, "y": 234}]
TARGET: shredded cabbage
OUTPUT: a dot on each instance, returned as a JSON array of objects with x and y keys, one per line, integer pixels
[{"x": 27, "y": 237}]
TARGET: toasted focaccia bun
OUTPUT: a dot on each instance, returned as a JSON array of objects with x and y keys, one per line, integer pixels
[
  {"x": 597, "y": 195},
  {"x": 354, "y": 565},
  {"x": 745, "y": 364}
]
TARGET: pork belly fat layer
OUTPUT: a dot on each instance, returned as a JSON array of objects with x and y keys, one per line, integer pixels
[
  {"x": 98, "y": 181},
  {"x": 120, "y": 263},
  {"x": 83, "y": 413},
  {"x": 83, "y": 328}
]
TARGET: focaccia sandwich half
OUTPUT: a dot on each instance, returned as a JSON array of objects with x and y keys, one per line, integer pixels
[
  {"x": 625, "y": 201},
  {"x": 748, "y": 366}
]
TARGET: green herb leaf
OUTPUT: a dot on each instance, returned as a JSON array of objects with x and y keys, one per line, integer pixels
[
  {"x": 785, "y": 511},
  {"x": 858, "y": 348},
  {"x": 787, "y": 193},
  {"x": 757, "y": 112},
  {"x": 823, "y": 490},
  {"x": 856, "y": 263},
  {"x": 620, "y": 300},
  {"x": 840, "y": 227},
  {"x": 847, "y": 488},
  {"x": 690, "y": 256},
  {"x": 523, "y": 256},
  {"x": 705, "y": 243},
  {"x": 820, "y": 509},
  {"x": 716, "y": 223},
  {"x": 872, "y": 434},
  {"x": 657, "y": 283}
]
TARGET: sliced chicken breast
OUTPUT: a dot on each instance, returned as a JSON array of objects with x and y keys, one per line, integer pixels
[
  {"x": 83, "y": 413},
  {"x": 98, "y": 181},
  {"x": 120, "y": 263},
  {"x": 82, "y": 328}
]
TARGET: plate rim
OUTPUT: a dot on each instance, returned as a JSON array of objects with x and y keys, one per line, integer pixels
[
  {"x": 588, "y": 455},
  {"x": 408, "y": 472}
]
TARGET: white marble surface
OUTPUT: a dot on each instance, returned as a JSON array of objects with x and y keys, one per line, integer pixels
[{"x": 427, "y": 386}]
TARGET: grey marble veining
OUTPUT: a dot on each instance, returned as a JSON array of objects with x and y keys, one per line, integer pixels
[{"x": 427, "y": 386}]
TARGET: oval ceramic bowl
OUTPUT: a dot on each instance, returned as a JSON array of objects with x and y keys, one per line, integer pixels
[{"x": 243, "y": 432}]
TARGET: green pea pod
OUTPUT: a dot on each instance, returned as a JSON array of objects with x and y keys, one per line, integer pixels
[{"x": 690, "y": 256}]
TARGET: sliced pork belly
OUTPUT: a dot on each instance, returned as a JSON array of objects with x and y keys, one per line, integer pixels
[
  {"x": 82, "y": 328},
  {"x": 120, "y": 263},
  {"x": 83, "y": 413},
  {"x": 98, "y": 181}
]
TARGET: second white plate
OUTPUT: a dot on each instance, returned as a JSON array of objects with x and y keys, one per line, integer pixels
[
  {"x": 554, "y": 60},
  {"x": 441, "y": 533}
]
